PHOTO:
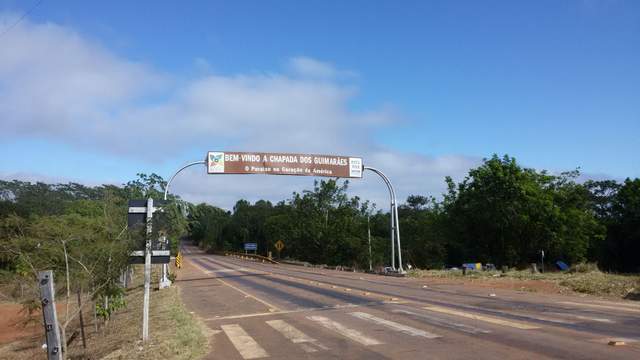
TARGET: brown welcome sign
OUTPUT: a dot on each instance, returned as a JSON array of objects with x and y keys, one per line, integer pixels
[{"x": 226, "y": 162}]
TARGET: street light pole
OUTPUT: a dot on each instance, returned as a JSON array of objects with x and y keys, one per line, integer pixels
[
  {"x": 164, "y": 281},
  {"x": 369, "y": 236},
  {"x": 395, "y": 228}
]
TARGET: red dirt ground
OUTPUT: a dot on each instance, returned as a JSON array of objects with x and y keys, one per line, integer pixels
[{"x": 12, "y": 323}]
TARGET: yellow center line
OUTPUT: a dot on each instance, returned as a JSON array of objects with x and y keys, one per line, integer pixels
[
  {"x": 374, "y": 294},
  {"x": 489, "y": 319}
]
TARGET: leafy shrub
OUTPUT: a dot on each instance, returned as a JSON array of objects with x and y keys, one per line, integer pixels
[{"x": 584, "y": 268}]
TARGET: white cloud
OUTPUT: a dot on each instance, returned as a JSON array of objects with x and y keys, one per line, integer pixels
[
  {"x": 59, "y": 85},
  {"x": 311, "y": 68},
  {"x": 54, "y": 82}
]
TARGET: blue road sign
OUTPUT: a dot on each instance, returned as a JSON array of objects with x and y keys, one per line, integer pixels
[{"x": 250, "y": 246}]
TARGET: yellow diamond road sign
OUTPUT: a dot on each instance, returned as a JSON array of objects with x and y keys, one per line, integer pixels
[{"x": 279, "y": 245}]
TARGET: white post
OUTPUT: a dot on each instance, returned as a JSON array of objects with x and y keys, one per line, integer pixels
[
  {"x": 164, "y": 277},
  {"x": 147, "y": 273}
]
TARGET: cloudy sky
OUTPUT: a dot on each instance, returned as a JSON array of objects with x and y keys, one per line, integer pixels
[{"x": 96, "y": 92}]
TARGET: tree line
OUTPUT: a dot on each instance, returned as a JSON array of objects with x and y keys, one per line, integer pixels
[
  {"x": 500, "y": 213},
  {"x": 81, "y": 234}
]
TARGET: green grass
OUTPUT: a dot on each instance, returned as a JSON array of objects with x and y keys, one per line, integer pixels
[{"x": 174, "y": 332}]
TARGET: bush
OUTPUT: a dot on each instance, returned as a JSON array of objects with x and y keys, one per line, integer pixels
[{"x": 584, "y": 268}]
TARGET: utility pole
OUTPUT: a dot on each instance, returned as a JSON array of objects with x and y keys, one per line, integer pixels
[
  {"x": 542, "y": 256},
  {"x": 369, "y": 236},
  {"x": 147, "y": 272},
  {"x": 51, "y": 327}
]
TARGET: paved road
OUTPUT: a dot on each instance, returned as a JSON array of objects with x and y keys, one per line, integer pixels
[{"x": 260, "y": 310}]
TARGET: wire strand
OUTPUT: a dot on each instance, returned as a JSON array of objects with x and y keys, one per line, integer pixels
[{"x": 21, "y": 18}]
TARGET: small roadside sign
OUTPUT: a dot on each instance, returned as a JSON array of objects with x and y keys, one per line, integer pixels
[
  {"x": 251, "y": 246},
  {"x": 279, "y": 245}
]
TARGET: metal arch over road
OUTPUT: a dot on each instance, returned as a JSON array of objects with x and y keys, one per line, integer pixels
[
  {"x": 166, "y": 189},
  {"x": 299, "y": 164}
]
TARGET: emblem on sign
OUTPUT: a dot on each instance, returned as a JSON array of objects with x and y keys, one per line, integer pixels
[{"x": 215, "y": 162}]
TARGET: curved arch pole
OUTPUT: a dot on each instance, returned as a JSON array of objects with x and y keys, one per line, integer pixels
[
  {"x": 164, "y": 279},
  {"x": 395, "y": 224},
  {"x": 166, "y": 189},
  {"x": 391, "y": 213}
]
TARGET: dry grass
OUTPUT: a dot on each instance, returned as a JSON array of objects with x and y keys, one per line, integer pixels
[
  {"x": 174, "y": 332},
  {"x": 586, "y": 279}
]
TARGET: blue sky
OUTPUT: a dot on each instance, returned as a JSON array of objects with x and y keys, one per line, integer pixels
[{"x": 424, "y": 89}]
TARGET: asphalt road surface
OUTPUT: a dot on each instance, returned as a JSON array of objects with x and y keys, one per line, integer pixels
[{"x": 257, "y": 310}]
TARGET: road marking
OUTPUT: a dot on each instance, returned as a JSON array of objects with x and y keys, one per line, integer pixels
[
  {"x": 352, "y": 334},
  {"x": 635, "y": 306},
  {"x": 596, "y": 306},
  {"x": 395, "y": 326},
  {"x": 229, "y": 270},
  {"x": 199, "y": 267},
  {"x": 296, "y": 336},
  {"x": 489, "y": 319},
  {"x": 272, "y": 308},
  {"x": 581, "y": 317},
  {"x": 246, "y": 346},
  {"x": 445, "y": 323},
  {"x": 230, "y": 267},
  {"x": 537, "y": 317},
  {"x": 308, "y": 309}
]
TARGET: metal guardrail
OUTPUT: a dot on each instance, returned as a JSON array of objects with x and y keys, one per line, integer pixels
[{"x": 251, "y": 257}]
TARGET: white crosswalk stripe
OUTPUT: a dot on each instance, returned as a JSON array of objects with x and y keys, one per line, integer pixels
[
  {"x": 296, "y": 336},
  {"x": 352, "y": 334},
  {"x": 246, "y": 346},
  {"x": 395, "y": 326}
]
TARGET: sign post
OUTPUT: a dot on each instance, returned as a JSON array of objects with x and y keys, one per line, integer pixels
[
  {"x": 141, "y": 213},
  {"x": 147, "y": 273}
]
